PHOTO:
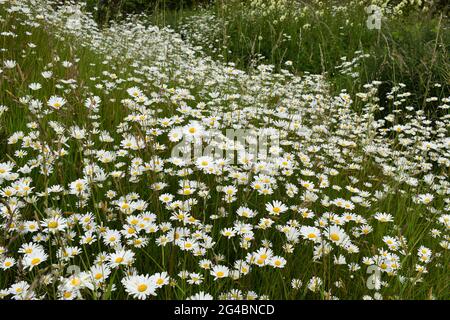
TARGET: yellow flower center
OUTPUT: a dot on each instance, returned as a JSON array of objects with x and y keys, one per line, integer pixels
[
  {"x": 119, "y": 260},
  {"x": 53, "y": 224},
  {"x": 334, "y": 237},
  {"x": 142, "y": 287}
]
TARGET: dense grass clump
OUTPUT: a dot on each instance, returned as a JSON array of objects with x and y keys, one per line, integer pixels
[
  {"x": 136, "y": 165},
  {"x": 108, "y": 10},
  {"x": 331, "y": 37}
]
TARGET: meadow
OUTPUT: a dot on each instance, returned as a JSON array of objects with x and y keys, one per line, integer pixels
[{"x": 230, "y": 151}]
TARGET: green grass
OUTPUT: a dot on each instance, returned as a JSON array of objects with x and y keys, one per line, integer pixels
[{"x": 412, "y": 48}]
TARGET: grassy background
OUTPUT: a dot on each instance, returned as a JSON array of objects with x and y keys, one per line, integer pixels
[{"x": 320, "y": 51}]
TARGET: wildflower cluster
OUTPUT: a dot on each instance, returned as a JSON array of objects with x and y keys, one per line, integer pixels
[{"x": 94, "y": 204}]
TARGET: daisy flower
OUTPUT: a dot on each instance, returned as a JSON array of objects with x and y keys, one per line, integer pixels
[
  {"x": 7, "y": 263},
  {"x": 310, "y": 233},
  {"x": 139, "y": 286},
  {"x": 383, "y": 217},
  {"x": 201, "y": 296},
  {"x": 336, "y": 235},
  {"x": 56, "y": 102},
  {"x": 276, "y": 207},
  {"x": 34, "y": 259},
  {"x": 219, "y": 271},
  {"x": 121, "y": 258}
]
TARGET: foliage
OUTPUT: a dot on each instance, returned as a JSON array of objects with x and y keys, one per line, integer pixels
[
  {"x": 95, "y": 203},
  {"x": 412, "y": 46}
]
